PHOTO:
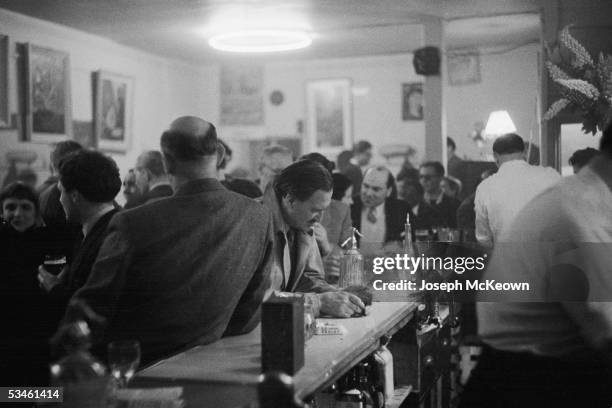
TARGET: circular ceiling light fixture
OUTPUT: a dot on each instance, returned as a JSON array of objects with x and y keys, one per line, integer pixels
[{"x": 260, "y": 41}]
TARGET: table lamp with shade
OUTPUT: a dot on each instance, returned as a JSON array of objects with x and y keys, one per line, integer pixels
[{"x": 499, "y": 123}]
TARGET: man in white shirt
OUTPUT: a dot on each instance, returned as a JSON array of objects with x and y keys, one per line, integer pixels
[
  {"x": 500, "y": 197},
  {"x": 551, "y": 344}
]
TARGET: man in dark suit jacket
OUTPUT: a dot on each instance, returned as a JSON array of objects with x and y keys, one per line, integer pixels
[
  {"x": 379, "y": 217},
  {"x": 89, "y": 181},
  {"x": 167, "y": 274},
  {"x": 435, "y": 209},
  {"x": 151, "y": 178}
]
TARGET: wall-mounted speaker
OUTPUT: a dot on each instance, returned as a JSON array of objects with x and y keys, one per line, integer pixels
[{"x": 427, "y": 61}]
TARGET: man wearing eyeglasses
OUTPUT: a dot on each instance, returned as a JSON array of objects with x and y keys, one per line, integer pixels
[{"x": 435, "y": 209}]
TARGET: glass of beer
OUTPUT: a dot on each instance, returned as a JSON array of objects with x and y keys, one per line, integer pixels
[{"x": 54, "y": 263}]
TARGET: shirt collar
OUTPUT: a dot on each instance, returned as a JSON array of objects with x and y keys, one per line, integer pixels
[
  {"x": 89, "y": 224},
  {"x": 376, "y": 210},
  {"x": 438, "y": 198}
]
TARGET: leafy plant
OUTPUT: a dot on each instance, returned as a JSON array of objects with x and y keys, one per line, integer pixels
[{"x": 585, "y": 84}]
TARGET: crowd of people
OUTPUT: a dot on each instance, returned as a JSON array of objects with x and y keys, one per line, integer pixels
[{"x": 195, "y": 251}]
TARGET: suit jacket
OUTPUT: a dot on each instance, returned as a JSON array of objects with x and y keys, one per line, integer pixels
[
  {"x": 308, "y": 274},
  {"x": 157, "y": 193},
  {"x": 182, "y": 271},
  {"x": 83, "y": 258},
  {"x": 437, "y": 215},
  {"x": 395, "y": 217}
]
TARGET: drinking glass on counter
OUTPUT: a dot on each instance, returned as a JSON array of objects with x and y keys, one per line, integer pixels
[{"x": 123, "y": 360}]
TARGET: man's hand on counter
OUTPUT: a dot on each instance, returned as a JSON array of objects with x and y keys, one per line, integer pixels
[{"x": 341, "y": 304}]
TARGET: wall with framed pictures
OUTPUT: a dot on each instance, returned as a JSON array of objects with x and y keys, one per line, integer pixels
[{"x": 159, "y": 90}]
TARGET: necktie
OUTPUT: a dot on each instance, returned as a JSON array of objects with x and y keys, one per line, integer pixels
[{"x": 372, "y": 215}]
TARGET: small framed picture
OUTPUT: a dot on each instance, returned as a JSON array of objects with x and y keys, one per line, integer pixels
[
  {"x": 48, "y": 111},
  {"x": 412, "y": 101},
  {"x": 329, "y": 116},
  {"x": 113, "y": 99},
  {"x": 463, "y": 68}
]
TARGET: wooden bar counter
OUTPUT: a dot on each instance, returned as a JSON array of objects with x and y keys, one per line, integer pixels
[{"x": 225, "y": 373}]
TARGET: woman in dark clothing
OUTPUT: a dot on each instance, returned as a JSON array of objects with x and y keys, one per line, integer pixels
[{"x": 23, "y": 246}]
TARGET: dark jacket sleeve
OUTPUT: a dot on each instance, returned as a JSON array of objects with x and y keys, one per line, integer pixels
[
  {"x": 247, "y": 314},
  {"x": 108, "y": 276}
]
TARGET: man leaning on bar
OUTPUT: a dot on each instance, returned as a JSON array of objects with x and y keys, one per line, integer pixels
[
  {"x": 187, "y": 269},
  {"x": 301, "y": 193}
]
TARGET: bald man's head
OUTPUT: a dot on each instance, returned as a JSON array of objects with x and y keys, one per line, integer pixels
[
  {"x": 189, "y": 139},
  {"x": 191, "y": 124}
]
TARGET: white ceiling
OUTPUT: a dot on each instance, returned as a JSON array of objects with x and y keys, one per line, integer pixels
[{"x": 341, "y": 28}]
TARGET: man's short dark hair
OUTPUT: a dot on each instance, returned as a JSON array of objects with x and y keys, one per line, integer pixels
[
  {"x": 322, "y": 160},
  {"x": 19, "y": 191},
  {"x": 508, "y": 144},
  {"x": 92, "y": 174},
  {"x": 362, "y": 146},
  {"x": 605, "y": 144},
  {"x": 451, "y": 143},
  {"x": 302, "y": 179},
  {"x": 185, "y": 147},
  {"x": 581, "y": 157},
  {"x": 436, "y": 165},
  {"x": 61, "y": 150},
  {"x": 152, "y": 161}
]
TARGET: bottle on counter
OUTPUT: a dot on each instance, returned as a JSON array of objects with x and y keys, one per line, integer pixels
[
  {"x": 85, "y": 379},
  {"x": 383, "y": 360},
  {"x": 408, "y": 244},
  {"x": 351, "y": 265}
]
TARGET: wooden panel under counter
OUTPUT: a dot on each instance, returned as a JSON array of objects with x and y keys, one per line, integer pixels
[{"x": 225, "y": 373}]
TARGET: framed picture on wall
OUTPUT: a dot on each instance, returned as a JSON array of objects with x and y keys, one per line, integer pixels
[
  {"x": 5, "y": 119},
  {"x": 242, "y": 95},
  {"x": 463, "y": 67},
  {"x": 48, "y": 111},
  {"x": 329, "y": 123},
  {"x": 412, "y": 101},
  {"x": 113, "y": 100}
]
